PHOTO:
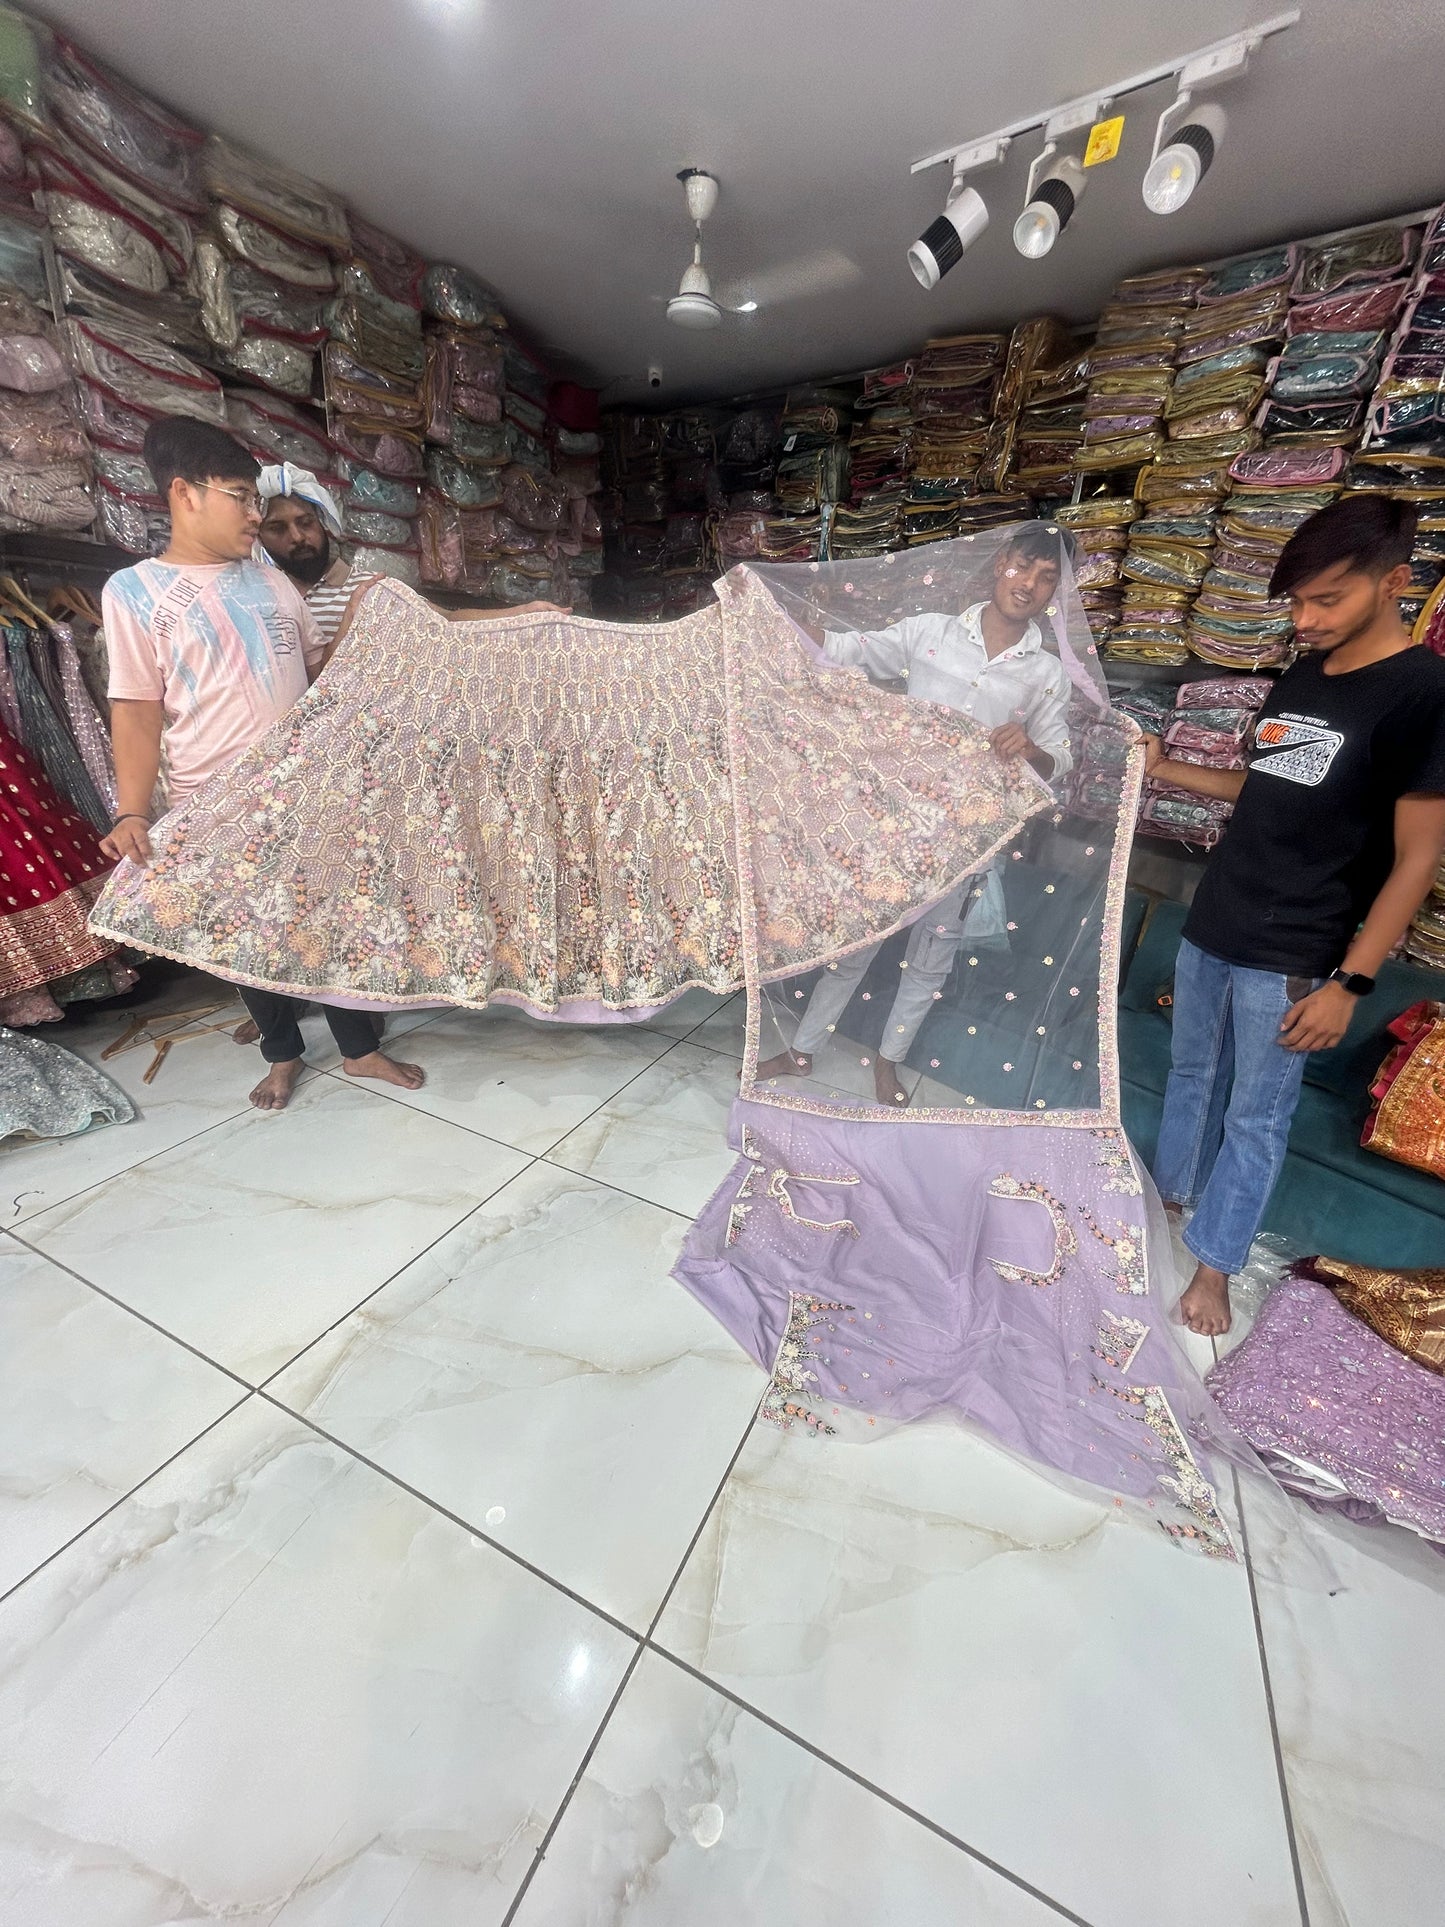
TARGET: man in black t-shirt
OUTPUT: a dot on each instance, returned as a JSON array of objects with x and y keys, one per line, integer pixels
[{"x": 1336, "y": 836}]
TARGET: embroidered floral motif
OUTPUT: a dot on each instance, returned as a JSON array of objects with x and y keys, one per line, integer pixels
[
  {"x": 793, "y": 1379},
  {"x": 1183, "y": 1481},
  {"x": 742, "y": 1201},
  {"x": 1116, "y": 1161},
  {"x": 774, "y": 1183},
  {"x": 1126, "y": 1241},
  {"x": 1118, "y": 1340},
  {"x": 1066, "y": 1243}
]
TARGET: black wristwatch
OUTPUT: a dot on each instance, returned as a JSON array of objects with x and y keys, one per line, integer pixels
[{"x": 1354, "y": 981}]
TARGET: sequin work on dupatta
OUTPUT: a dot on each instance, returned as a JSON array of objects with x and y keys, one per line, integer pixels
[{"x": 543, "y": 810}]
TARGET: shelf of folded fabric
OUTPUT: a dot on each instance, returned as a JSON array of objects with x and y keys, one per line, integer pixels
[
  {"x": 1425, "y": 939},
  {"x": 1208, "y": 725}
]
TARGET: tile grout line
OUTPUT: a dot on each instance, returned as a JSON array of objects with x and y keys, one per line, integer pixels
[
  {"x": 643, "y": 1645},
  {"x": 127, "y": 1496},
  {"x": 935, "y": 1827},
  {"x": 1285, "y": 1802}
]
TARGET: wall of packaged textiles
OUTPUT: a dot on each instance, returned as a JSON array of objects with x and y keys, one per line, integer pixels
[
  {"x": 147, "y": 268},
  {"x": 1181, "y": 439}
]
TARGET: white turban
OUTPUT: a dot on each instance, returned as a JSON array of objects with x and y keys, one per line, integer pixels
[{"x": 286, "y": 478}]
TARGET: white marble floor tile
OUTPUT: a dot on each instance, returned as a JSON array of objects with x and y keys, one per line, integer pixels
[
  {"x": 726, "y": 1029},
  {"x": 540, "y": 1375},
  {"x": 91, "y": 1402},
  {"x": 251, "y": 1240},
  {"x": 665, "y": 1136},
  {"x": 694, "y": 1814},
  {"x": 273, "y": 1687},
  {"x": 693, "y": 1010},
  {"x": 1352, "y": 1619},
  {"x": 521, "y": 1081},
  {"x": 1054, "y": 1682},
  {"x": 202, "y": 1082}
]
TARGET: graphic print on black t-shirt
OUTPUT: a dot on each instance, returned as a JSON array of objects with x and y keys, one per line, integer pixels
[
  {"x": 1312, "y": 838},
  {"x": 1299, "y": 749}
]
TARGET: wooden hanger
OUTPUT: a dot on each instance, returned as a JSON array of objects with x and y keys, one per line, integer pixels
[
  {"x": 12, "y": 612},
  {"x": 68, "y": 600},
  {"x": 13, "y": 589}
]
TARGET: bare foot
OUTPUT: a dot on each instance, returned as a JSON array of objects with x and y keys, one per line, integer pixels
[
  {"x": 409, "y": 1077},
  {"x": 247, "y": 1033},
  {"x": 788, "y": 1063},
  {"x": 1173, "y": 1210},
  {"x": 273, "y": 1093},
  {"x": 886, "y": 1084},
  {"x": 1205, "y": 1305}
]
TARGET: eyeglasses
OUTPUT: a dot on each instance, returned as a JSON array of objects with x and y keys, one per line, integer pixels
[{"x": 247, "y": 497}]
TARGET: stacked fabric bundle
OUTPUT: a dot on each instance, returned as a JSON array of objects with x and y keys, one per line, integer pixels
[
  {"x": 1131, "y": 370},
  {"x": 1234, "y": 622},
  {"x": 1163, "y": 566},
  {"x": 1051, "y": 425},
  {"x": 1100, "y": 528},
  {"x": 792, "y": 538},
  {"x": 1040, "y": 342},
  {"x": 954, "y": 389},
  {"x": 880, "y": 459},
  {"x": 574, "y": 423},
  {"x": 812, "y": 469},
  {"x": 1210, "y": 725}
]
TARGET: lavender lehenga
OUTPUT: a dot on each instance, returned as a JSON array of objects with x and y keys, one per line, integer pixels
[{"x": 586, "y": 819}]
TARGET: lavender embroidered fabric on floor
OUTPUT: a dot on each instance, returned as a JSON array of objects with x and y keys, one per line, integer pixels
[{"x": 1338, "y": 1415}]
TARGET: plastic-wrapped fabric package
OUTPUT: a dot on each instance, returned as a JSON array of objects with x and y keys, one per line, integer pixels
[
  {"x": 108, "y": 420},
  {"x": 58, "y": 497},
  {"x": 380, "y": 332},
  {"x": 141, "y": 373},
  {"x": 451, "y": 294},
  {"x": 274, "y": 253},
  {"x": 1379, "y": 254},
  {"x": 379, "y": 494},
  {"x": 297, "y": 206},
  {"x": 278, "y": 431},
  {"x": 29, "y": 360},
  {"x": 22, "y": 83},
  {"x": 105, "y": 239},
  {"x": 284, "y": 366},
  {"x": 172, "y": 317},
  {"x": 458, "y": 482},
  {"x": 1312, "y": 423},
  {"x": 1288, "y": 468},
  {"x": 532, "y": 501},
  {"x": 22, "y": 253},
  {"x": 1375, "y": 306},
  {"x": 395, "y": 268},
  {"x": 236, "y": 298},
  {"x": 391, "y": 531},
  {"x": 138, "y": 222},
  {"x": 387, "y": 452},
  {"x": 487, "y": 444},
  {"x": 401, "y": 563},
  {"x": 37, "y": 430},
  {"x": 379, "y": 401},
  {"x": 122, "y": 128},
  {"x": 1267, "y": 268}
]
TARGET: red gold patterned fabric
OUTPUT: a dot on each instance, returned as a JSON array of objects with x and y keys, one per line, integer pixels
[{"x": 51, "y": 872}]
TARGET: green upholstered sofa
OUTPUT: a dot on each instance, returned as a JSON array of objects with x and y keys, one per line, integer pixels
[{"x": 1332, "y": 1196}]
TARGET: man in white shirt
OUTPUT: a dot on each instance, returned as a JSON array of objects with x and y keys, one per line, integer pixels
[{"x": 989, "y": 663}]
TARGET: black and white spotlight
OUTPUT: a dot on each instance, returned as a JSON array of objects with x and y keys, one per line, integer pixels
[
  {"x": 1189, "y": 137},
  {"x": 1055, "y": 183},
  {"x": 941, "y": 244}
]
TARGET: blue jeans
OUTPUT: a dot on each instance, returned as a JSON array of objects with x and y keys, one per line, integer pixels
[{"x": 1231, "y": 1095}]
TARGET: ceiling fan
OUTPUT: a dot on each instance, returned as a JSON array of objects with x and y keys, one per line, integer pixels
[{"x": 695, "y": 306}]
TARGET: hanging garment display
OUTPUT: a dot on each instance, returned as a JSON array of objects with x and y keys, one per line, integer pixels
[{"x": 51, "y": 872}]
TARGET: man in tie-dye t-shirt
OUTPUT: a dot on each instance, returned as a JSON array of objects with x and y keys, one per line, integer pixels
[{"x": 207, "y": 650}]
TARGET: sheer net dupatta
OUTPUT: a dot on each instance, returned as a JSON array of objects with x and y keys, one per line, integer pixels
[{"x": 963, "y": 1229}]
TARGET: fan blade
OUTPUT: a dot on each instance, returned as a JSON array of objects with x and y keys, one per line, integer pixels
[{"x": 807, "y": 274}]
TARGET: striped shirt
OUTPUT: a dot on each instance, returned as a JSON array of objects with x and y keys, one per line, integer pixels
[{"x": 327, "y": 603}]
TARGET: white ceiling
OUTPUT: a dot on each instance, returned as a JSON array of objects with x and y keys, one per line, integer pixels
[{"x": 536, "y": 141}]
